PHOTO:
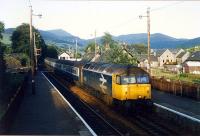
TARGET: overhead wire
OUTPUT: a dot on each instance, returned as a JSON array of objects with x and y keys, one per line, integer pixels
[{"x": 136, "y": 18}]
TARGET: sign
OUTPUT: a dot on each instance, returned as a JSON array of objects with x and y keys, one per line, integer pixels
[{"x": 102, "y": 86}]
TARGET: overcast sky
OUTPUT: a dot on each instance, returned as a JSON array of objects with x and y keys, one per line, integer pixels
[{"x": 81, "y": 18}]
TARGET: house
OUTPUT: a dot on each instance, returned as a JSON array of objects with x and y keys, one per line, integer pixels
[
  {"x": 169, "y": 56},
  {"x": 64, "y": 56},
  {"x": 165, "y": 57},
  {"x": 192, "y": 64},
  {"x": 182, "y": 57},
  {"x": 143, "y": 61}
]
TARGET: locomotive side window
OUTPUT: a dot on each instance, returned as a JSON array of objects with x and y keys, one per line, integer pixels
[{"x": 118, "y": 79}]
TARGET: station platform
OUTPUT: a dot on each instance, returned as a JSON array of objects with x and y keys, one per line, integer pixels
[
  {"x": 180, "y": 104},
  {"x": 46, "y": 113}
]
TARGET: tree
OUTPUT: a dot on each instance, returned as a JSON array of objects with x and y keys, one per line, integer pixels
[
  {"x": 117, "y": 56},
  {"x": 2, "y": 61},
  {"x": 21, "y": 40},
  {"x": 90, "y": 47},
  {"x": 107, "y": 41},
  {"x": 140, "y": 48},
  {"x": 52, "y": 52}
]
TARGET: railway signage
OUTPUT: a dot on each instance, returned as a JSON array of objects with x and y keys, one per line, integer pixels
[{"x": 102, "y": 86}]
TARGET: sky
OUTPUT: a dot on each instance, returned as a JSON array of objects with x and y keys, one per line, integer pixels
[{"x": 179, "y": 19}]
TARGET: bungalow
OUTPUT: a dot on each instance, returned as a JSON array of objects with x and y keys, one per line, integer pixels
[
  {"x": 192, "y": 64},
  {"x": 64, "y": 56}
]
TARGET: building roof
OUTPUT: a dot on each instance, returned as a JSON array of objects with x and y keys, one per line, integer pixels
[
  {"x": 181, "y": 54},
  {"x": 174, "y": 51},
  {"x": 194, "y": 57},
  {"x": 144, "y": 57},
  {"x": 159, "y": 52}
]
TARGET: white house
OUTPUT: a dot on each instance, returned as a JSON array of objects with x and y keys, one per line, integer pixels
[
  {"x": 64, "y": 56},
  {"x": 192, "y": 64}
]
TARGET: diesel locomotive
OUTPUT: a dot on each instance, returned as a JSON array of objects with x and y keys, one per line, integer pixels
[{"x": 114, "y": 83}]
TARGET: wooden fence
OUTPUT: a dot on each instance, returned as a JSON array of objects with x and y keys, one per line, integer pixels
[{"x": 180, "y": 88}]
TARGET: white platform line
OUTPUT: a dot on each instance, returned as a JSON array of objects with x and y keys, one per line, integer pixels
[
  {"x": 179, "y": 113},
  {"x": 85, "y": 123}
]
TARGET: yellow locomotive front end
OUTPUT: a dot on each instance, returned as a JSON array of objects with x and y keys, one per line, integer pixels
[{"x": 131, "y": 87}]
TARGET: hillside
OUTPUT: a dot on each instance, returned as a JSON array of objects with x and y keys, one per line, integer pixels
[{"x": 60, "y": 37}]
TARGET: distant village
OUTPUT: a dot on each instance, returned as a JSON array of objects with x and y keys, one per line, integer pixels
[{"x": 174, "y": 60}]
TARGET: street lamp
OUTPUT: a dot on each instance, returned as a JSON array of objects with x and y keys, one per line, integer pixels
[
  {"x": 32, "y": 52},
  {"x": 148, "y": 33}
]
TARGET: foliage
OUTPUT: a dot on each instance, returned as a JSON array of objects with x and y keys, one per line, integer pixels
[
  {"x": 193, "y": 49},
  {"x": 117, "y": 56},
  {"x": 90, "y": 47},
  {"x": 21, "y": 40},
  {"x": 24, "y": 60},
  {"x": 1, "y": 29},
  {"x": 78, "y": 55},
  {"x": 192, "y": 78},
  {"x": 2, "y": 61},
  {"x": 140, "y": 48},
  {"x": 107, "y": 40},
  {"x": 52, "y": 52}
]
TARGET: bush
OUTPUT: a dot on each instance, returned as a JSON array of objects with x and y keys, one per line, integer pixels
[
  {"x": 183, "y": 75},
  {"x": 24, "y": 59}
]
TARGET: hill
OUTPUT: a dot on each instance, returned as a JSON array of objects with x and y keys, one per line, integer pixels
[{"x": 60, "y": 37}]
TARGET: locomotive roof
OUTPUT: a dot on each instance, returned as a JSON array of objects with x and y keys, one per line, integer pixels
[
  {"x": 109, "y": 68},
  {"x": 106, "y": 68}
]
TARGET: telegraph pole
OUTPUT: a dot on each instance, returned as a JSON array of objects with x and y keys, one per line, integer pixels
[
  {"x": 76, "y": 49},
  {"x": 148, "y": 31},
  {"x": 95, "y": 44},
  {"x": 32, "y": 53},
  {"x": 35, "y": 51},
  {"x": 148, "y": 35}
]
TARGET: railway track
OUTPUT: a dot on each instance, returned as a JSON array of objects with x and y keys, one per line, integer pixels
[
  {"x": 148, "y": 124},
  {"x": 151, "y": 126},
  {"x": 98, "y": 124}
]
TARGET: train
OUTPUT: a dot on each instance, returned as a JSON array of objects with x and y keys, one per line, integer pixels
[{"x": 115, "y": 84}]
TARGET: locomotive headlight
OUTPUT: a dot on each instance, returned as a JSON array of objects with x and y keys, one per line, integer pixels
[{"x": 139, "y": 96}]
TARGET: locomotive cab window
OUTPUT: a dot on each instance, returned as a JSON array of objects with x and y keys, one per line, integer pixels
[
  {"x": 126, "y": 80},
  {"x": 143, "y": 79}
]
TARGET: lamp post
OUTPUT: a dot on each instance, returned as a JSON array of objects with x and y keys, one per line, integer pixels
[
  {"x": 148, "y": 34},
  {"x": 32, "y": 52}
]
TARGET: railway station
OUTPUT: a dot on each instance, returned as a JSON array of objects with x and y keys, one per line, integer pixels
[
  {"x": 88, "y": 68},
  {"x": 49, "y": 112}
]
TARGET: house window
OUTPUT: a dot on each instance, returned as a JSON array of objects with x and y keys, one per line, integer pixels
[
  {"x": 163, "y": 61},
  {"x": 171, "y": 60},
  {"x": 167, "y": 55}
]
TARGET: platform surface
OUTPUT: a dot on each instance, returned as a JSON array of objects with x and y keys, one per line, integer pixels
[
  {"x": 181, "y": 104},
  {"x": 46, "y": 113}
]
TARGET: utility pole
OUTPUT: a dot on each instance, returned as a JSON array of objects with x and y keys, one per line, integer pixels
[
  {"x": 76, "y": 49},
  {"x": 32, "y": 52},
  {"x": 95, "y": 44},
  {"x": 148, "y": 35},
  {"x": 35, "y": 51}
]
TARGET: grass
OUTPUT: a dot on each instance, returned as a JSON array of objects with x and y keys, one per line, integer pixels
[{"x": 191, "y": 78}]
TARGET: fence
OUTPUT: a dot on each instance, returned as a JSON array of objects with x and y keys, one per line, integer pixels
[{"x": 180, "y": 88}]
